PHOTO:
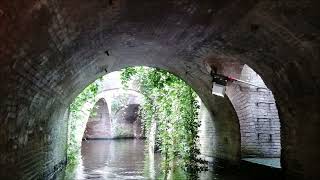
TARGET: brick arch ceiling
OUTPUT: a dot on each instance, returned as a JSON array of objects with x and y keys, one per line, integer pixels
[{"x": 51, "y": 49}]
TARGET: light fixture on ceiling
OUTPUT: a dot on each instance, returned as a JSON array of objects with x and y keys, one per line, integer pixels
[{"x": 219, "y": 83}]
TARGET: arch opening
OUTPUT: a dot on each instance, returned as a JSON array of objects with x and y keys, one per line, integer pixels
[
  {"x": 99, "y": 123},
  {"x": 258, "y": 117},
  {"x": 122, "y": 119},
  {"x": 256, "y": 110},
  {"x": 62, "y": 48}
]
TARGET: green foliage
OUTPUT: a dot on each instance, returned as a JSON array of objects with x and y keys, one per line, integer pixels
[
  {"x": 119, "y": 102},
  {"x": 87, "y": 95},
  {"x": 172, "y": 103},
  {"x": 121, "y": 131},
  {"x": 77, "y": 119}
]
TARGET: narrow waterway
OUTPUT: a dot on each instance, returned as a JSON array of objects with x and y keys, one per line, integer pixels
[
  {"x": 113, "y": 159},
  {"x": 128, "y": 159}
]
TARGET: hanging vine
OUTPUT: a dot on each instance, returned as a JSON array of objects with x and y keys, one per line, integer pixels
[
  {"x": 77, "y": 119},
  {"x": 172, "y": 103}
]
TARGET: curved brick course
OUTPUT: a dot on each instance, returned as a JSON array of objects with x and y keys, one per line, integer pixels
[{"x": 51, "y": 49}]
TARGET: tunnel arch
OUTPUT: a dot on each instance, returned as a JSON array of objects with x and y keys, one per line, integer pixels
[
  {"x": 99, "y": 124},
  {"x": 226, "y": 135},
  {"x": 257, "y": 113},
  {"x": 61, "y": 49},
  {"x": 255, "y": 107}
]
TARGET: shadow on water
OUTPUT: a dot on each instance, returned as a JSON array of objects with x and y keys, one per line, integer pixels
[{"x": 128, "y": 159}]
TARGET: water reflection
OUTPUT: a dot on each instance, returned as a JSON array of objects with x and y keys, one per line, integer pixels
[
  {"x": 114, "y": 159},
  {"x": 128, "y": 159}
]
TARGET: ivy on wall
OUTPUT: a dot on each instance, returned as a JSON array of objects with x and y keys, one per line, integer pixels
[
  {"x": 80, "y": 110},
  {"x": 173, "y": 105},
  {"x": 168, "y": 101}
]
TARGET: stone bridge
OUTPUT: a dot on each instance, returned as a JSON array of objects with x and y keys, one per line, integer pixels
[{"x": 51, "y": 50}]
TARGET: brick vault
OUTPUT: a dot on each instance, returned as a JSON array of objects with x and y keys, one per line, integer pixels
[{"x": 51, "y": 49}]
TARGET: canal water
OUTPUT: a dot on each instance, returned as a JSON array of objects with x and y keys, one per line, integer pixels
[{"x": 128, "y": 159}]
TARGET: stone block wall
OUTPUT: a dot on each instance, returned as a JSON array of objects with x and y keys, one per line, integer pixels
[
  {"x": 211, "y": 142},
  {"x": 60, "y": 49},
  {"x": 207, "y": 134},
  {"x": 99, "y": 123},
  {"x": 258, "y": 116}
]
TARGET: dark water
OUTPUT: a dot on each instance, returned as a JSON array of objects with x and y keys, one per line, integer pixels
[{"x": 128, "y": 159}]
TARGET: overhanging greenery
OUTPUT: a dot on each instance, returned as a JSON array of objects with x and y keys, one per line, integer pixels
[{"x": 173, "y": 105}]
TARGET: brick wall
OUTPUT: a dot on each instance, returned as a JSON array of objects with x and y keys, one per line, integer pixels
[
  {"x": 258, "y": 116},
  {"x": 212, "y": 141},
  {"x": 60, "y": 50},
  {"x": 99, "y": 123},
  {"x": 207, "y": 134}
]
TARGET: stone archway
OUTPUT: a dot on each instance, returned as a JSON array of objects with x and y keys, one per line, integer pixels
[
  {"x": 256, "y": 110},
  {"x": 65, "y": 45},
  {"x": 99, "y": 122},
  {"x": 258, "y": 116}
]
